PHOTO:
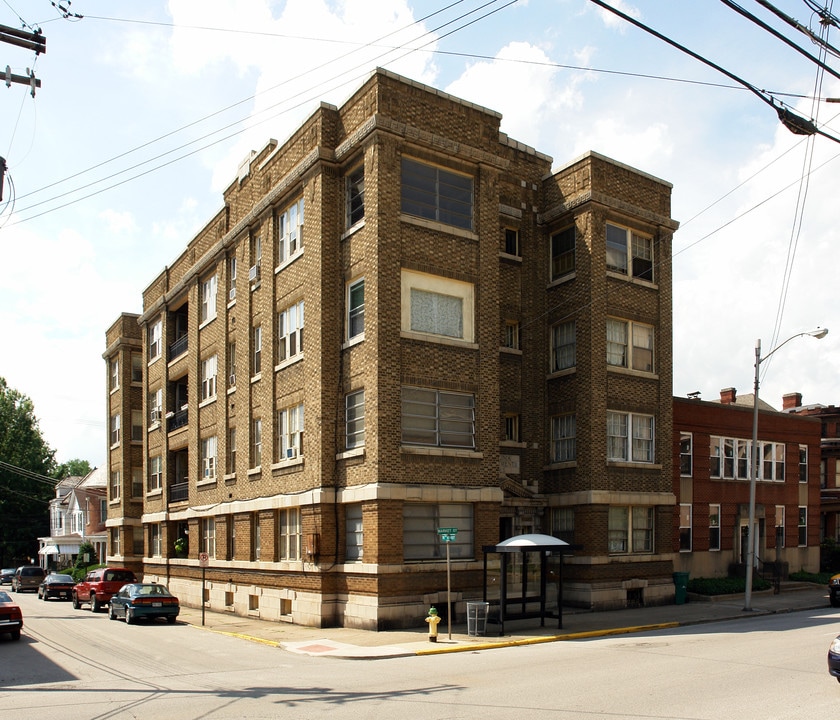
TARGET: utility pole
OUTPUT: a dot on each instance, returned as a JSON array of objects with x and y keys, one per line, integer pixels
[{"x": 29, "y": 41}]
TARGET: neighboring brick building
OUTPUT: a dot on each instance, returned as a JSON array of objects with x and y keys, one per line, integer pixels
[
  {"x": 712, "y": 467},
  {"x": 487, "y": 347}
]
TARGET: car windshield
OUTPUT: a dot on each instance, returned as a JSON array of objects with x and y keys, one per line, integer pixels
[
  {"x": 118, "y": 576},
  {"x": 4, "y": 598},
  {"x": 58, "y": 578}
]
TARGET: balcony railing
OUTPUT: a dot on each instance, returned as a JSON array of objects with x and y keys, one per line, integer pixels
[
  {"x": 179, "y": 491},
  {"x": 178, "y": 419},
  {"x": 179, "y": 347}
]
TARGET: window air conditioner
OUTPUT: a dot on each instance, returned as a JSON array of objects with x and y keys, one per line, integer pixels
[
  {"x": 232, "y": 380},
  {"x": 291, "y": 453},
  {"x": 232, "y": 294},
  {"x": 254, "y": 273},
  {"x": 155, "y": 415}
]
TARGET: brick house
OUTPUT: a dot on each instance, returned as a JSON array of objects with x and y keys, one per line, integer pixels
[{"x": 487, "y": 347}]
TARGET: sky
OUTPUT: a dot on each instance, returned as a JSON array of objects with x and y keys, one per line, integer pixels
[{"x": 145, "y": 110}]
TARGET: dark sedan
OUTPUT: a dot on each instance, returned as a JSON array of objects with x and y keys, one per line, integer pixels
[
  {"x": 834, "y": 658},
  {"x": 6, "y": 575},
  {"x": 56, "y": 585},
  {"x": 11, "y": 618},
  {"x": 143, "y": 600}
]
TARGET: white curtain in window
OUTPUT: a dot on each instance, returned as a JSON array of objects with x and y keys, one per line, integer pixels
[
  {"x": 436, "y": 313},
  {"x": 617, "y": 343}
]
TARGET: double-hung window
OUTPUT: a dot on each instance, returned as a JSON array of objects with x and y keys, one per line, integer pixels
[
  {"x": 155, "y": 540},
  {"x": 685, "y": 527},
  {"x": 780, "y": 526},
  {"x": 136, "y": 367},
  {"x": 353, "y": 544},
  {"x": 208, "y": 458},
  {"x": 627, "y": 250},
  {"x": 629, "y": 345},
  {"x": 114, "y": 377},
  {"x": 563, "y": 438},
  {"x": 436, "y": 194},
  {"x": 209, "y": 368},
  {"x": 563, "y": 346},
  {"x": 289, "y": 535},
  {"x": 803, "y": 463},
  {"x": 421, "y": 540},
  {"x": 802, "y": 526},
  {"x": 115, "y": 429},
  {"x": 256, "y": 443},
  {"x": 155, "y": 473},
  {"x": 208, "y": 298},
  {"x": 563, "y": 253},
  {"x": 356, "y": 309},
  {"x": 510, "y": 240},
  {"x": 355, "y": 196},
  {"x": 290, "y": 332},
  {"x": 354, "y": 413},
  {"x": 155, "y": 339},
  {"x": 156, "y": 405},
  {"x": 686, "y": 455},
  {"x": 438, "y": 418},
  {"x": 290, "y": 432},
  {"x": 630, "y": 530},
  {"x": 207, "y": 536},
  {"x": 136, "y": 426},
  {"x": 630, "y": 437},
  {"x": 232, "y": 278},
  {"x": 714, "y": 527},
  {"x": 290, "y": 231},
  {"x": 115, "y": 486},
  {"x": 256, "y": 350}
]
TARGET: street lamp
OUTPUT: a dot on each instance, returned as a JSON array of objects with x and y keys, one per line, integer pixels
[{"x": 819, "y": 333}]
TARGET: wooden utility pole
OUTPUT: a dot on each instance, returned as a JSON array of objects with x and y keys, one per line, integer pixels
[{"x": 29, "y": 41}]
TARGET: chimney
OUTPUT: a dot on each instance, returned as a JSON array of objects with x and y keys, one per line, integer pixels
[
  {"x": 727, "y": 396},
  {"x": 791, "y": 401}
]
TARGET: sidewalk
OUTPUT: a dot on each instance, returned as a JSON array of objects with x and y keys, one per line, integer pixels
[{"x": 348, "y": 643}]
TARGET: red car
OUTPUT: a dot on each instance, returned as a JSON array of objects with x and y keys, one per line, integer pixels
[
  {"x": 100, "y": 585},
  {"x": 11, "y": 618}
]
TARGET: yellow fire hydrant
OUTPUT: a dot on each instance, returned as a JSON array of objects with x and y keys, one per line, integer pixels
[{"x": 433, "y": 621}]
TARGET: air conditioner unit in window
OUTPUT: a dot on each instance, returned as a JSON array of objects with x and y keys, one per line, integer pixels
[
  {"x": 232, "y": 294},
  {"x": 155, "y": 415},
  {"x": 232, "y": 380},
  {"x": 291, "y": 453},
  {"x": 254, "y": 273}
]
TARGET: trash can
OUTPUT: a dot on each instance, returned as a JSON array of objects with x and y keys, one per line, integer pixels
[
  {"x": 680, "y": 587},
  {"x": 477, "y": 618}
]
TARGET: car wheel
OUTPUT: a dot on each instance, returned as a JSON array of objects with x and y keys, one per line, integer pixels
[
  {"x": 94, "y": 604},
  {"x": 16, "y": 636},
  {"x": 129, "y": 617},
  {"x": 44, "y": 597},
  {"x": 111, "y": 614},
  {"x": 76, "y": 603},
  {"x": 835, "y": 602},
  {"x": 171, "y": 619}
]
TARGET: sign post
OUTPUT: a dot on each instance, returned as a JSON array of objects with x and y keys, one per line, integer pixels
[
  {"x": 203, "y": 561},
  {"x": 447, "y": 535}
]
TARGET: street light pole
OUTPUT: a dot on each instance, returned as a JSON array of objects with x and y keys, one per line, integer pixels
[{"x": 819, "y": 334}]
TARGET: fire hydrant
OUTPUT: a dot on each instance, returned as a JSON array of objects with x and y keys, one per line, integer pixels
[{"x": 433, "y": 621}]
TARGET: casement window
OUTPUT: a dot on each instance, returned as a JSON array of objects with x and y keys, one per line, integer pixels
[
  {"x": 155, "y": 473},
  {"x": 563, "y": 524},
  {"x": 114, "y": 493},
  {"x": 290, "y": 332},
  {"x": 290, "y": 231},
  {"x": 256, "y": 443},
  {"x": 230, "y": 457},
  {"x": 136, "y": 426},
  {"x": 685, "y": 527},
  {"x": 207, "y": 536},
  {"x": 438, "y": 418},
  {"x": 354, "y": 419},
  {"x": 155, "y": 339},
  {"x": 353, "y": 537},
  {"x": 511, "y": 335},
  {"x": 780, "y": 525},
  {"x": 136, "y": 482},
  {"x": 115, "y": 429},
  {"x": 563, "y": 346},
  {"x": 355, "y": 196},
  {"x": 510, "y": 241},
  {"x": 714, "y": 527},
  {"x": 803, "y": 463},
  {"x": 563, "y": 438},
  {"x": 208, "y": 458},
  {"x": 155, "y": 540},
  {"x": 156, "y": 406},
  {"x": 802, "y": 525},
  {"x": 686, "y": 455},
  {"x": 421, "y": 521},
  {"x": 209, "y": 369},
  {"x": 627, "y": 250},
  {"x": 630, "y": 530},
  {"x": 208, "y": 291},
  {"x": 290, "y": 432},
  {"x": 563, "y": 253},
  {"x": 114, "y": 374},
  {"x": 510, "y": 428},
  {"x": 436, "y": 194},
  {"x": 136, "y": 368},
  {"x": 434, "y": 305},
  {"x": 356, "y": 309},
  {"x": 256, "y": 350},
  {"x": 629, "y": 345},
  {"x": 289, "y": 535},
  {"x": 630, "y": 437}
]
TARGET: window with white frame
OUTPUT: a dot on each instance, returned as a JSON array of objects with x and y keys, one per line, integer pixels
[
  {"x": 511, "y": 335},
  {"x": 115, "y": 429},
  {"x": 136, "y": 426},
  {"x": 208, "y": 458},
  {"x": 438, "y": 418},
  {"x": 155, "y": 339},
  {"x": 115, "y": 486},
  {"x": 436, "y": 194},
  {"x": 354, "y": 419},
  {"x": 803, "y": 463},
  {"x": 155, "y": 540},
  {"x": 434, "y": 305},
  {"x": 155, "y": 473},
  {"x": 207, "y": 536},
  {"x": 802, "y": 525},
  {"x": 510, "y": 427},
  {"x": 630, "y": 529},
  {"x": 290, "y": 231},
  {"x": 563, "y": 438},
  {"x": 116, "y": 548},
  {"x": 355, "y": 308},
  {"x": 510, "y": 241},
  {"x": 231, "y": 363},
  {"x": 290, "y": 432},
  {"x": 421, "y": 540},
  {"x": 563, "y": 346},
  {"x": 629, "y": 345},
  {"x": 714, "y": 527},
  {"x": 773, "y": 461},
  {"x": 232, "y": 278},
  {"x": 355, "y": 195},
  {"x": 256, "y": 257},
  {"x": 626, "y": 249},
  {"x": 563, "y": 253},
  {"x": 209, "y": 370},
  {"x": 743, "y": 459},
  {"x": 780, "y": 525},
  {"x": 256, "y": 350},
  {"x": 289, "y": 535},
  {"x": 686, "y": 456},
  {"x": 685, "y": 527},
  {"x": 353, "y": 538},
  {"x": 156, "y": 406},
  {"x": 114, "y": 374},
  {"x": 290, "y": 332},
  {"x": 207, "y": 297},
  {"x": 630, "y": 437},
  {"x": 256, "y": 443}
]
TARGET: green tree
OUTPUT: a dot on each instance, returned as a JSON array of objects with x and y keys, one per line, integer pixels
[
  {"x": 72, "y": 468},
  {"x": 26, "y": 463}
]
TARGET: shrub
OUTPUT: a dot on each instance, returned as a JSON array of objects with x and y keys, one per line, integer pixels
[{"x": 725, "y": 585}]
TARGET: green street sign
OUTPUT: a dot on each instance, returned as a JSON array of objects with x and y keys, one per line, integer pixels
[{"x": 447, "y": 531}]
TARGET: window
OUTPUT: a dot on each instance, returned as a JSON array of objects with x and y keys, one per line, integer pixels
[
  {"x": 136, "y": 426},
  {"x": 686, "y": 440},
  {"x": 114, "y": 374},
  {"x": 290, "y": 332},
  {"x": 115, "y": 485},
  {"x": 773, "y": 455},
  {"x": 354, "y": 419},
  {"x": 436, "y": 194},
  {"x": 627, "y": 249},
  {"x": 780, "y": 526},
  {"x": 289, "y": 534},
  {"x": 155, "y": 473},
  {"x": 353, "y": 532},
  {"x": 155, "y": 541},
  {"x": 155, "y": 344},
  {"x": 563, "y": 346},
  {"x": 232, "y": 277},
  {"x": 208, "y": 290},
  {"x": 438, "y": 418},
  {"x": 115, "y": 429},
  {"x": 115, "y": 541},
  {"x": 209, "y": 369},
  {"x": 136, "y": 482},
  {"x": 256, "y": 347},
  {"x": 510, "y": 428},
  {"x": 421, "y": 521},
  {"x": 621, "y": 446},
  {"x": 630, "y": 530},
  {"x": 256, "y": 443},
  {"x": 290, "y": 432},
  {"x": 231, "y": 452},
  {"x": 803, "y": 526},
  {"x": 728, "y": 458},
  {"x": 511, "y": 335},
  {"x": 231, "y": 363},
  {"x": 155, "y": 405},
  {"x": 356, "y": 196},
  {"x": 714, "y": 527},
  {"x": 637, "y": 354},
  {"x": 137, "y": 541},
  {"x": 290, "y": 231},
  {"x": 256, "y": 535},
  {"x": 435, "y": 305},
  {"x": 742, "y": 459},
  {"x": 563, "y": 253},
  {"x": 685, "y": 527},
  {"x": 256, "y": 256},
  {"x": 510, "y": 241},
  {"x": 563, "y": 524},
  {"x": 207, "y": 536},
  {"x": 803, "y": 463},
  {"x": 355, "y": 309},
  {"x": 231, "y": 538},
  {"x": 136, "y": 368},
  {"x": 208, "y": 458},
  {"x": 563, "y": 438}
]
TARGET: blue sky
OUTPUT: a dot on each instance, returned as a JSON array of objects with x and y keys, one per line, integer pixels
[{"x": 146, "y": 109}]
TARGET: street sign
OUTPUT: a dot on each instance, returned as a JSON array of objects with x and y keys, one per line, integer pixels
[{"x": 447, "y": 535}]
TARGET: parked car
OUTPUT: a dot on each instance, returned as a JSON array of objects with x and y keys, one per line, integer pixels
[
  {"x": 6, "y": 575},
  {"x": 99, "y": 586},
  {"x": 56, "y": 585},
  {"x": 11, "y": 618},
  {"x": 144, "y": 600},
  {"x": 28, "y": 577},
  {"x": 834, "y": 658},
  {"x": 834, "y": 590}
]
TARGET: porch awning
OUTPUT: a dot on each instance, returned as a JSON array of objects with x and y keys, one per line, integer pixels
[{"x": 48, "y": 550}]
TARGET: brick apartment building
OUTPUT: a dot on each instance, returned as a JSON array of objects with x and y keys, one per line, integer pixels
[
  {"x": 712, "y": 470},
  {"x": 487, "y": 347}
]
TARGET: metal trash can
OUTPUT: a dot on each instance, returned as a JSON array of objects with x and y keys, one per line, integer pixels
[
  {"x": 680, "y": 587},
  {"x": 477, "y": 618}
]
